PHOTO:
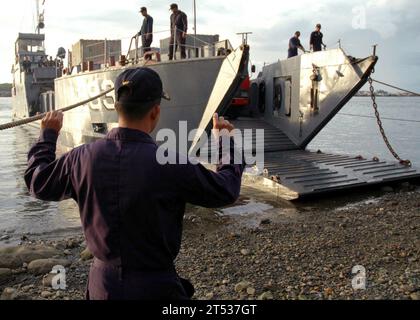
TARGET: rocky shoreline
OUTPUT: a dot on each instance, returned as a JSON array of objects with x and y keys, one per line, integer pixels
[
  {"x": 308, "y": 255},
  {"x": 25, "y": 270}
]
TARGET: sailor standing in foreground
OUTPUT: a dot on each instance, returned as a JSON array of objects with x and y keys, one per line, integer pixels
[
  {"x": 179, "y": 27},
  {"x": 317, "y": 41},
  {"x": 146, "y": 31},
  {"x": 131, "y": 206},
  {"x": 294, "y": 45}
]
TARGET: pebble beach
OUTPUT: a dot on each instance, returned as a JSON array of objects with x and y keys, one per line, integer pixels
[{"x": 272, "y": 254}]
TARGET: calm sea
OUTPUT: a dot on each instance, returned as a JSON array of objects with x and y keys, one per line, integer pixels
[{"x": 20, "y": 214}]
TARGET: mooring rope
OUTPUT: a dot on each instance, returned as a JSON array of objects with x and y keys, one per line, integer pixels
[
  {"x": 42, "y": 115},
  {"x": 397, "y": 88},
  {"x": 383, "y": 118}
]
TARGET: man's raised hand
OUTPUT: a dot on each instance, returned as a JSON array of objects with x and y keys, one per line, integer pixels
[
  {"x": 220, "y": 124},
  {"x": 53, "y": 120}
]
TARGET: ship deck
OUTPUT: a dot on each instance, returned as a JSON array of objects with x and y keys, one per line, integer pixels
[{"x": 293, "y": 173}]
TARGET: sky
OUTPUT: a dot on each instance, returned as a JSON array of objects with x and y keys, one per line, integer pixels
[{"x": 392, "y": 24}]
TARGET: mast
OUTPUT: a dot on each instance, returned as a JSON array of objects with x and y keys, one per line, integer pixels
[
  {"x": 37, "y": 15},
  {"x": 195, "y": 25},
  {"x": 195, "y": 18},
  {"x": 40, "y": 16}
]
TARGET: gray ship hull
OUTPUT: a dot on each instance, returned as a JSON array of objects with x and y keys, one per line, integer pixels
[
  {"x": 27, "y": 89},
  {"x": 190, "y": 84}
]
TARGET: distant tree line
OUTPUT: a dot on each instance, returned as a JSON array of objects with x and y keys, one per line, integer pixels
[
  {"x": 383, "y": 93},
  {"x": 5, "y": 89}
]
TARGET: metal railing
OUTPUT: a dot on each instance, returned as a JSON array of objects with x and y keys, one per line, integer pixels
[
  {"x": 198, "y": 50},
  {"x": 136, "y": 41},
  {"x": 103, "y": 50}
]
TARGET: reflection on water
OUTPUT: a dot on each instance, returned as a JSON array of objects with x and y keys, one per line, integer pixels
[
  {"x": 251, "y": 207},
  {"x": 360, "y": 136},
  {"x": 21, "y": 214}
]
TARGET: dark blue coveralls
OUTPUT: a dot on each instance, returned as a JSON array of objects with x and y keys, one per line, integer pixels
[
  {"x": 316, "y": 41},
  {"x": 146, "y": 33},
  {"x": 294, "y": 44},
  {"x": 179, "y": 24},
  {"x": 131, "y": 208}
]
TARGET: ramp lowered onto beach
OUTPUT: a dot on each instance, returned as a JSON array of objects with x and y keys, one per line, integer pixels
[
  {"x": 293, "y": 100},
  {"x": 292, "y": 173}
]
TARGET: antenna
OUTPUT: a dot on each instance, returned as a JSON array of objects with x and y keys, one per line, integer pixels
[
  {"x": 375, "y": 46},
  {"x": 195, "y": 22},
  {"x": 195, "y": 17},
  {"x": 40, "y": 16},
  {"x": 244, "y": 37}
]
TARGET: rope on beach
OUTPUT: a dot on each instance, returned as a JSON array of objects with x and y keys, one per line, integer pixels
[{"x": 42, "y": 115}]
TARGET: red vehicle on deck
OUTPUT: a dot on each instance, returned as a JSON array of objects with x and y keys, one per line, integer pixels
[
  {"x": 242, "y": 98},
  {"x": 241, "y": 101}
]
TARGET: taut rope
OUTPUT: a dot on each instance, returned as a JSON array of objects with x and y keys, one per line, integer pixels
[{"x": 41, "y": 116}]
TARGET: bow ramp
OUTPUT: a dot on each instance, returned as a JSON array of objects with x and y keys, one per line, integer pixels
[
  {"x": 292, "y": 173},
  {"x": 292, "y": 101}
]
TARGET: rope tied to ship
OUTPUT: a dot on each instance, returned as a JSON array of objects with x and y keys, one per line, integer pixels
[
  {"x": 381, "y": 127},
  {"x": 373, "y": 117},
  {"x": 38, "y": 117},
  {"x": 397, "y": 88}
]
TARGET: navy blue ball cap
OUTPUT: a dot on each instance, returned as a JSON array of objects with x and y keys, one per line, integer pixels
[{"x": 143, "y": 84}]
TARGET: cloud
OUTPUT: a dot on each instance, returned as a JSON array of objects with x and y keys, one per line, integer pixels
[{"x": 392, "y": 24}]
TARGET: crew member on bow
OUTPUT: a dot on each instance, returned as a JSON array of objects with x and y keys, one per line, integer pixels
[
  {"x": 317, "y": 39},
  {"x": 294, "y": 45},
  {"x": 146, "y": 31},
  {"x": 179, "y": 27}
]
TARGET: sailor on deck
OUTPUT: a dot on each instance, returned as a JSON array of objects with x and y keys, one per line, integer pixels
[
  {"x": 27, "y": 65},
  {"x": 51, "y": 62},
  {"x": 179, "y": 27},
  {"x": 317, "y": 41},
  {"x": 294, "y": 45},
  {"x": 131, "y": 206},
  {"x": 146, "y": 31}
]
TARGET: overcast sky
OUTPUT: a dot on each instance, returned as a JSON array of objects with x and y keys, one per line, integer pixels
[{"x": 393, "y": 24}]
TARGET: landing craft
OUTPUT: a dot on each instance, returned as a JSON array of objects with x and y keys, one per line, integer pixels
[
  {"x": 291, "y": 100},
  {"x": 206, "y": 76}
]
